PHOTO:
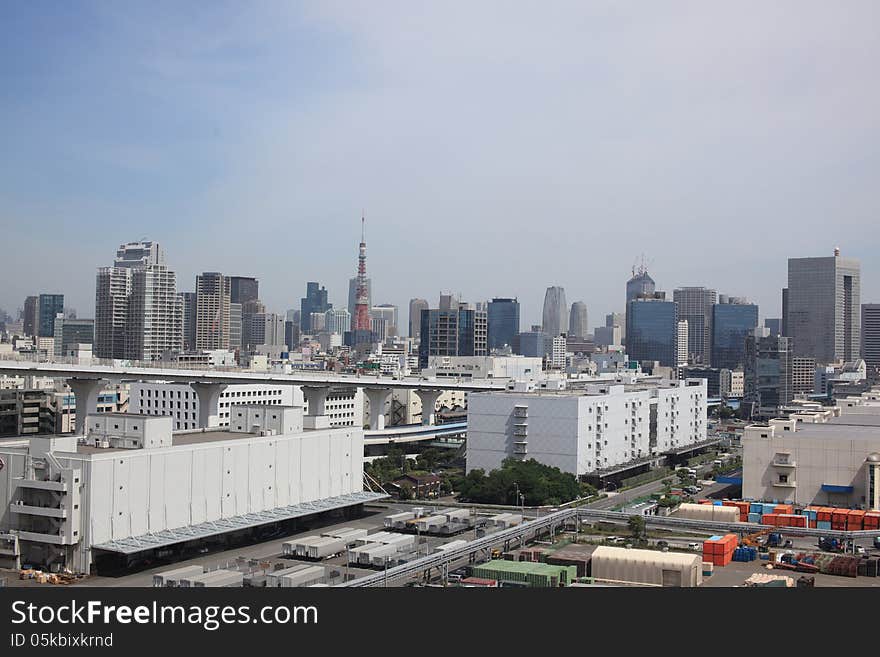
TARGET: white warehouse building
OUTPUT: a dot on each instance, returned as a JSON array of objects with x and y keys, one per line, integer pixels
[
  {"x": 585, "y": 431},
  {"x": 133, "y": 485},
  {"x": 344, "y": 406},
  {"x": 829, "y": 458}
]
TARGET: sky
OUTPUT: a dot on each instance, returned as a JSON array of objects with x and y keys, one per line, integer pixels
[{"x": 495, "y": 148}]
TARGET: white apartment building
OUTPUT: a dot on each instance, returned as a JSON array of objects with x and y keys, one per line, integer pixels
[{"x": 584, "y": 431}]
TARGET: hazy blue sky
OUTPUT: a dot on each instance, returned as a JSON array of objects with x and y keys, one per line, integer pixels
[{"x": 496, "y": 147}]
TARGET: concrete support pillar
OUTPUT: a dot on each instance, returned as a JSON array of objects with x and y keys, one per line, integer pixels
[
  {"x": 208, "y": 395},
  {"x": 85, "y": 392},
  {"x": 429, "y": 402},
  {"x": 316, "y": 398},
  {"x": 377, "y": 397}
]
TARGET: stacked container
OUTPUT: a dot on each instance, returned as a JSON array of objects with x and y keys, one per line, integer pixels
[
  {"x": 839, "y": 518},
  {"x": 872, "y": 520},
  {"x": 785, "y": 520},
  {"x": 745, "y": 554},
  {"x": 719, "y": 549},
  {"x": 855, "y": 520}
]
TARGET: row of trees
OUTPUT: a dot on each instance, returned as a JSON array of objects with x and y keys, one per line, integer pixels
[{"x": 538, "y": 484}]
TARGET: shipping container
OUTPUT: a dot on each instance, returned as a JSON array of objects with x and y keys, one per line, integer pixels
[
  {"x": 398, "y": 520},
  {"x": 273, "y": 579},
  {"x": 526, "y": 574},
  {"x": 451, "y": 545},
  {"x": 304, "y": 577},
  {"x": 671, "y": 569},
  {"x": 172, "y": 577},
  {"x": 214, "y": 579},
  {"x": 348, "y": 534},
  {"x": 707, "y": 512},
  {"x": 326, "y": 547},
  {"x": 302, "y": 545},
  {"x": 855, "y": 520}
]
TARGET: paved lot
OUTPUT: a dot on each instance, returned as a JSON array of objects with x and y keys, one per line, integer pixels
[{"x": 735, "y": 573}]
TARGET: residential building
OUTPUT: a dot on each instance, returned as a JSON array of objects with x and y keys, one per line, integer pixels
[
  {"x": 681, "y": 343},
  {"x": 555, "y": 314},
  {"x": 803, "y": 376},
  {"x": 731, "y": 323},
  {"x": 558, "y": 349},
  {"x": 823, "y": 307},
  {"x": 695, "y": 306},
  {"x": 212, "y": 311},
  {"x": 503, "y": 321},
  {"x": 578, "y": 324},
  {"x": 585, "y": 431}
]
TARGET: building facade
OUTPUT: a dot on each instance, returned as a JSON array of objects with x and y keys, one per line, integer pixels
[
  {"x": 578, "y": 321},
  {"x": 731, "y": 324},
  {"x": 416, "y": 306},
  {"x": 555, "y": 313},
  {"x": 767, "y": 376},
  {"x": 871, "y": 337},
  {"x": 456, "y": 332},
  {"x": 823, "y": 307},
  {"x": 212, "y": 311},
  {"x": 315, "y": 302},
  {"x": 70, "y": 332},
  {"x": 581, "y": 432},
  {"x": 50, "y": 306},
  {"x": 695, "y": 307},
  {"x": 652, "y": 330},
  {"x": 503, "y": 321}
]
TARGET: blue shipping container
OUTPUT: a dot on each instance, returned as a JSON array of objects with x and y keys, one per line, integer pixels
[
  {"x": 823, "y": 524},
  {"x": 755, "y": 517},
  {"x": 717, "y": 503},
  {"x": 756, "y": 507}
]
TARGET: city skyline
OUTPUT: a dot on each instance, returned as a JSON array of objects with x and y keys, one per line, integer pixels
[{"x": 232, "y": 118}]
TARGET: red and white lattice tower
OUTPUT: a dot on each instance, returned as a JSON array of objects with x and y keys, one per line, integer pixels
[{"x": 361, "y": 319}]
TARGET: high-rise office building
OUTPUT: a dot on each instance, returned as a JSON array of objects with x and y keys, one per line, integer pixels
[
  {"x": 652, "y": 330},
  {"x": 31, "y": 316},
  {"x": 640, "y": 285},
  {"x": 212, "y": 311},
  {"x": 416, "y": 306},
  {"x": 249, "y": 310},
  {"x": 266, "y": 329},
  {"x": 774, "y": 325},
  {"x": 387, "y": 312},
  {"x": 50, "y": 306},
  {"x": 72, "y": 332},
  {"x": 823, "y": 307},
  {"x": 767, "y": 374},
  {"x": 291, "y": 334},
  {"x": 243, "y": 289},
  {"x": 695, "y": 306},
  {"x": 578, "y": 325},
  {"x": 189, "y": 320},
  {"x": 457, "y": 332},
  {"x": 871, "y": 337},
  {"x": 731, "y": 323},
  {"x": 503, "y": 320},
  {"x": 236, "y": 326},
  {"x": 555, "y": 315},
  {"x": 315, "y": 301},
  {"x": 337, "y": 320},
  {"x": 138, "y": 313}
]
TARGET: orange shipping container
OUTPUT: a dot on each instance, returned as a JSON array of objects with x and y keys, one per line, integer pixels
[
  {"x": 769, "y": 519},
  {"x": 872, "y": 520}
]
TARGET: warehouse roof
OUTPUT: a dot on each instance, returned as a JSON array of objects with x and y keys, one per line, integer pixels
[{"x": 225, "y": 525}]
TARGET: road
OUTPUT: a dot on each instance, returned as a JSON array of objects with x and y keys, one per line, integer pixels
[{"x": 616, "y": 499}]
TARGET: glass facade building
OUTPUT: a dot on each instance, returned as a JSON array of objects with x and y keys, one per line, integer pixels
[
  {"x": 49, "y": 306},
  {"x": 652, "y": 331},
  {"x": 503, "y": 318},
  {"x": 315, "y": 301},
  {"x": 731, "y": 323},
  {"x": 460, "y": 332}
]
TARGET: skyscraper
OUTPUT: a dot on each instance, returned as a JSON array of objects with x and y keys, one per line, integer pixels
[
  {"x": 871, "y": 337},
  {"x": 49, "y": 305},
  {"x": 652, "y": 329},
  {"x": 189, "y": 320},
  {"x": 212, "y": 311},
  {"x": 154, "y": 323},
  {"x": 681, "y": 343},
  {"x": 72, "y": 332},
  {"x": 695, "y": 306},
  {"x": 388, "y": 312},
  {"x": 731, "y": 323},
  {"x": 503, "y": 320},
  {"x": 138, "y": 314},
  {"x": 243, "y": 289},
  {"x": 31, "y": 315},
  {"x": 457, "y": 332},
  {"x": 767, "y": 373},
  {"x": 337, "y": 320},
  {"x": 641, "y": 284},
  {"x": 823, "y": 307},
  {"x": 416, "y": 306},
  {"x": 578, "y": 325},
  {"x": 774, "y": 325},
  {"x": 555, "y": 315},
  {"x": 315, "y": 301}
]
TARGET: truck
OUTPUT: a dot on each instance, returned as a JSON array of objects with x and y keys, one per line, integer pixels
[
  {"x": 774, "y": 539},
  {"x": 830, "y": 544}
]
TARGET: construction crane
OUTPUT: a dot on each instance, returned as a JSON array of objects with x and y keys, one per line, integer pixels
[{"x": 752, "y": 540}]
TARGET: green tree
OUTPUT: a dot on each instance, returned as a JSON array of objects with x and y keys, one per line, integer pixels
[
  {"x": 636, "y": 526},
  {"x": 406, "y": 491}
]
